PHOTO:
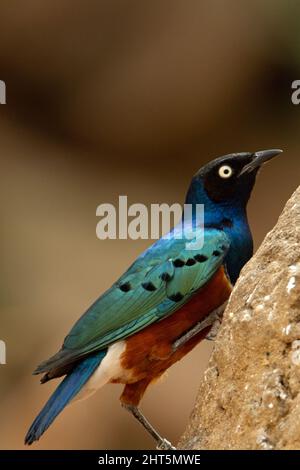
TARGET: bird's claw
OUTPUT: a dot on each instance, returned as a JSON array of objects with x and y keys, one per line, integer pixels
[
  {"x": 211, "y": 336},
  {"x": 165, "y": 445}
]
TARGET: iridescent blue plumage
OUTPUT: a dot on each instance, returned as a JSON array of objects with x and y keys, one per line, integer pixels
[
  {"x": 151, "y": 289},
  {"x": 64, "y": 393},
  {"x": 162, "y": 280},
  {"x": 230, "y": 216}
]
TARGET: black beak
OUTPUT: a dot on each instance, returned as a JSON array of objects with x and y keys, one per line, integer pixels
[{"x": 259, "y": 158}]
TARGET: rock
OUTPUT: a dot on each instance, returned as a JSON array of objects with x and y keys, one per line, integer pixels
[{"x": 250, "y": 395}]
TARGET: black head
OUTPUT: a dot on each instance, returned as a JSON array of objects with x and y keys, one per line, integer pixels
[
  {"x": 228, "y": 179},
  {"x": 224, "y": 186}
]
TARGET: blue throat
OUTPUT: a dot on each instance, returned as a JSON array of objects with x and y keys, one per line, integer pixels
[{"x": 231, "y": 217}]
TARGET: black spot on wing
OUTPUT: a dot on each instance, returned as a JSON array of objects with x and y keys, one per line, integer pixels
[
  {"x": 148, "y": 286},
  {"x": 178, "y": 263},
  {"x": 200, "y": 258},
  {"x": 165, "y": 277},
  {"x": 216, "y": 253},
  {"x": 126, "y": 287},
  {"x": 190, "y": 262},
  {"x": 176, "y": 297}
]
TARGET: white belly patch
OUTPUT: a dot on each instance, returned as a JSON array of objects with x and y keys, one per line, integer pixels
[{"x": 109, "y": 369}]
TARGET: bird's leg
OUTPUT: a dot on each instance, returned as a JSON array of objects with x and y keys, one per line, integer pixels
[
  {"x": 213, "y": 332},
  {"x": 162, "y": 444},
  {"x": 213, "y": 317}
]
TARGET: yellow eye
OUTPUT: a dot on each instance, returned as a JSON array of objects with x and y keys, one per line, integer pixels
[{"x": 225, "y": 171}]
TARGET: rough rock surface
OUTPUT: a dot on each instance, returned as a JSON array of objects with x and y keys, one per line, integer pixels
[{"x": 250, "y": 395}]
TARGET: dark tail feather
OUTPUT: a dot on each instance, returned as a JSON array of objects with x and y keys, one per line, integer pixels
[{"x": 65, "y": 392}]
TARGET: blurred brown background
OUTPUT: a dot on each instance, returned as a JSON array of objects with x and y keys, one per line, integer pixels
[{"x": 123, "y": 97}]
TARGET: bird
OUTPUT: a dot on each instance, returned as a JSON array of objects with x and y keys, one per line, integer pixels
[{"x": 165, "y": 304}]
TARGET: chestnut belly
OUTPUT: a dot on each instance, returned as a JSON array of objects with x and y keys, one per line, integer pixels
[{"x": 149, "y": 353}]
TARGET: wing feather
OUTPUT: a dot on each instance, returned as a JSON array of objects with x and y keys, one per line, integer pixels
[{"x": 161, "y": 280}]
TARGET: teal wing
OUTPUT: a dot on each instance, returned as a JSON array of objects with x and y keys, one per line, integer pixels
[{"x": 161, "y": 280}]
